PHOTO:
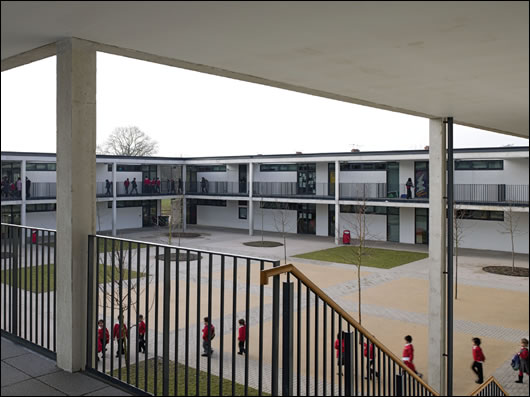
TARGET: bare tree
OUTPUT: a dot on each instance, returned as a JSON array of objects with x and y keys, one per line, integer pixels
[
  {"x": 458, "y": 236},
  {"x": 360, "y": 234},
  {"x": 510, "y": 226},
  {"x": 282, "y": 222},
  {"x": 128, "y": 141}
]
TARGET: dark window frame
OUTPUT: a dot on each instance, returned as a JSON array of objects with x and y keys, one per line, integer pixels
[
  {"x": 470, "y": 165},
  {"x": 287, "y": 167},
  {"x": 243, "y": 213}
]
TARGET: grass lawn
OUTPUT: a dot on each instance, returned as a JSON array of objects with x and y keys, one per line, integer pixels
[
  {"x": 214, "y": 380},
  {"x": 372, "y": 257},
  {"x": 29, "y": 276},
  {"x": 101, "y": 243}
]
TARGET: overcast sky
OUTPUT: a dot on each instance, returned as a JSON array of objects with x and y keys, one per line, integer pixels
[{"x": 194, "y": 114}]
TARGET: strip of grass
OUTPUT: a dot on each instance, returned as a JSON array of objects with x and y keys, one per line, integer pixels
[
  {"x": 181, "y": 381},
  {"x": 27, "y": 278},
  {"x": 125, "y": 246},
  {"x": 372, "y": 257}
]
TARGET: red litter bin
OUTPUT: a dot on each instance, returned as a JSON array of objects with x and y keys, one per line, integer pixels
[
  {"x": 33, "y": 236},
  {"x": 346, "y": 237}
]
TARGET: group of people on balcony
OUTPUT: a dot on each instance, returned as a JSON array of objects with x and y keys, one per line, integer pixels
[{"x": 13, "y": 189}]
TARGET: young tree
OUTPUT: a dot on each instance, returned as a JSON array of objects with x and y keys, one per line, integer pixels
[
  {"x": 128, "y": 141},
  {"x": 510, "y": 226},
  {"x": 282, "y": 222},
  {"x": 458, "y": 235}
]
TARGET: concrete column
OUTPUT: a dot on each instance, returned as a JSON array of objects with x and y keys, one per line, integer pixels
[
  {"x": 337, "y": 205},
  {"x": 114, "y": 196},
  {"x": 184, "y": 204},
  {"x": 76, "y": 194},
  {"x": 437, "y": 254},
  {"x": 250, "y": 201},
  {"x": 23, "y": 205}
]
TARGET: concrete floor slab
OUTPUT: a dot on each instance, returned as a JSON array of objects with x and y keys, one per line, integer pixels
[
  {"x": 33, "y": 364},
  {"x": 72, "y": 383},
  {"x": 30, "y": 387},
  {"x": 12, "y": 375},
  {"x": 10, "y": 349}
]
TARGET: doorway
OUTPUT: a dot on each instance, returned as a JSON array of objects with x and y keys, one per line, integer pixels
[
  {"x": 306, "y": 219},
  {"x": 392, "y": 224},
  {"x": 149, "y": 213}
]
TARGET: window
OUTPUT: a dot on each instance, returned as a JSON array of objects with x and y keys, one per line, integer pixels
[
  {"x": 41, "y": 167},
  {"x": 211, "y": 203},
  {"x": 211, "y": 168},
  {"x": 370, "y": 209},
  {"x": 363, "y": 166},
  {"x": 41, "y": 207},
  {"x": 126, "y": 168},
  {"x": 481, "y": 215},
  {"x": 127, "y": 203},
  {"x": 462, "y": 165},
  {"x": 277, "y": 167},
  {"x": 243, "y": 212},
  {"x": 279, "y": 206},
  {"x": 243, "y": 203}
]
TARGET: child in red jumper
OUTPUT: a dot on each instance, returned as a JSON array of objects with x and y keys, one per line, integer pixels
[
  {"x": 408, "y": 355},
  {"x": 523, "y": 360},
  {"x": 208, "y": 333},
  {"x": 242, "y": 336},
  {"x": 478, "y": 360},
  {"x": 103, "y": 338},
  {"x": 141, "y": 334},
  {"x": 340, "y": 361}
]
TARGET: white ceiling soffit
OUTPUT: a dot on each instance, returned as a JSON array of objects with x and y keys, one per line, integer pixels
[{"x": 468, "y": 60}]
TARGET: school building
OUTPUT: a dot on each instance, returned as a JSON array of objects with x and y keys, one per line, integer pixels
[{"x": 317, "y": 194}]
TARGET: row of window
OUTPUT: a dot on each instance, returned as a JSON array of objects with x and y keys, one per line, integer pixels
[
  {"x": 461, "y": 165},
  {"x": 133, "y": 168},
  {"x": 481, "y": 215},
  {"x": 363, "y": 166},
  {"x": 41, "y": 167},
  {"x": 127, "y": 203},
  {"x": 41, "y": 208},
  {"x": 369, "y": 209},
  {"x": 277, "y": 167},
  {"x": 210, "y": 168}
]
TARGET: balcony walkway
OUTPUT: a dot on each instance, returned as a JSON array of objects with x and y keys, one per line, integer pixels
[{"x": 27, "y": 373}]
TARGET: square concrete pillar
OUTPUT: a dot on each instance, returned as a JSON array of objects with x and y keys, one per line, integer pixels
[
  {"x": 76, "y": 194},
  {"x": 437, "y": 253},
  {"x": 337, "y": 204}
]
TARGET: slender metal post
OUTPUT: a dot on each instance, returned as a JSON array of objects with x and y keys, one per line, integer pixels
[
  {"x": 14, "y": 285},
  {"x": 398, "y": 385},
  {"x": 90, "y": 297},
  {"x": 287, "y": 339},
  {"x": 275, "y": 333},
  {"x": 348, "y": 363},
  {"x": 165, "y": 343},
  {"x": 450, "y": 214}
]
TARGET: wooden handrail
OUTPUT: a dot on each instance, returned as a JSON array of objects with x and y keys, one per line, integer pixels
[
  {"x": 491, "y": 379},
  {"x": 275, "y": 271}
]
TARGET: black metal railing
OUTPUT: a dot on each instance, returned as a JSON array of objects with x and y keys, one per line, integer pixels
[
  {"x": 174, "y": 288},
  {"x": 42, "y": 190},
  {"x": 489, "y": 388},
  {"x": 491, "y": 194},
  {"x": 28, "y": 282},
  {"x": 358, "y": 191},
  {"x": 292, "y": 189},
  {"x": 325, "y": 351},
  {"x": 217, "y": 188}
]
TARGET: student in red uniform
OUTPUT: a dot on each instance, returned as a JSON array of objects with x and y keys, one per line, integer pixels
[
  {"x": 340, "y": 361},
  {"x": 523, "y": 360},
  {"x": 141, "y": 334},
  {"x": 121, "y": 337},
  {"x": 408, "y": 355},
  {"x": 478, "y": 360},
  {"x": 103, "y": 338},
  {"x": 208, "y": 333},
  {"x": 371, "y": 360},
  {"x": 242, "y": 336}
]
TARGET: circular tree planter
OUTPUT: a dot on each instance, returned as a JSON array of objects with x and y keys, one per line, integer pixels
[
  {"x": 185, "y": 235},
  {"x": 507, "y": 271},
  {"x": 182, "y": 257},
  {"x": 263, "y": 244}
]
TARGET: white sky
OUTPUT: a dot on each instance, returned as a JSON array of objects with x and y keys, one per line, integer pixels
[{"x": 195, "y": 114}]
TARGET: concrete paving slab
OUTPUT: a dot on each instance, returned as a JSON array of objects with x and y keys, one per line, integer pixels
[
  {"x": 30, "y": 387},
  {"x": 10, "y": 349},
  {"x": 109, "y": 391},
  {"x": 33, "y": 364},
  {"x": 72, "y": 384},
  {"x": 11, "y": 375}
]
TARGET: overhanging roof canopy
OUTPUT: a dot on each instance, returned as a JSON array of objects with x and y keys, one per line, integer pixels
[{"x": 468, "y": 60}]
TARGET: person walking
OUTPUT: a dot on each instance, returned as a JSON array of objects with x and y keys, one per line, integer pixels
[
  {"x": 103, "y": 339},
  {"x": 19, "y": 188},
  {"x": 108, "y": 186},
  {"x": 28, "y": 187},
  {"x": 242, "y": 336},
  {"x": 478, "y": 360},
  {"x": 141, "y": 334},
  {"x": 126, "y": 184},
  {"x": 180, "y": 186},
  {"x": 340, "y": 356},
  {"x": 371, "y": 360},
  {"x": 408, "y": 355},
  {"x": 173, "y": 186},
  {"x": 120, "y": 336},
  {"x": 134, "y": 186},
  {"x": 409, "y": 185},
  {"x": 158, "y": 185},
  {"x": 208, "y": 333},
  {"x": 523, "y": 360}
]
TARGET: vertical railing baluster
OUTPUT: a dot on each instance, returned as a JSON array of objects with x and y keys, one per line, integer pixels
[
  {"x": 55, "y": 291},
  {"x": 234, "y": 313},
  {"x": 157, "y": 282},
  {"x": 105, "y": 302},
  {"x": 287, "y": 338},
  {"x": 308, "y": 341},
  {"x": 298, "y": 336},
  {"x": 260, "y": 341},
  {"x": 129, "y": 271},
  {"x": 147, "y": 315},
  {"x": 25, "y": 237},
  {"x": 165, "y": 323},
  {"x": 112, "y": 297},
  {"x": 121, "y": 334},
  {"x": 187, "y": 329},
  {"x": 95, "y": 287},
  {"x": 275, "y": 334},
  {"x": 221, "y": 325},
  {"x": 49, "y": 293},
  {"x": 316, "y": 345},
  {"x": 42, "y": 293},
  {"x": 341, "y": 355},
  {"x": 324, "y": 349},
  {"x": 177, "y": 313},
  {"x": 356, "y": 361},
  {"x": 209, "y": 341},
  {"x": 90, "y": 298},
  {"x": 198, "y": 330},
  {"x": 247, "y": 323},
  {"x": 138, "y": 308},
  {"x": 36, "y": 286}
]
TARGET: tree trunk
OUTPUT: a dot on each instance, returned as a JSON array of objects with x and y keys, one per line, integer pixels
[
  {"x": 359, "y": 290},
  {"x": 513, "y": 255}
]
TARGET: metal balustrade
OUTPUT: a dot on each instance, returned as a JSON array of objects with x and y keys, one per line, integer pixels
[
  {"x": 489, "y": 388},
  {"x": 28, "y": 285},
  {"x": 174, "y": 288},
  {"x": 218, "y": 188},
  {"x": 292, "y": 189},
  {"x": 325, "y": 351}
]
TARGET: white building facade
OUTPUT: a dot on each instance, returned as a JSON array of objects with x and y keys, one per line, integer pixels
[{"x": 318, "y": 194}]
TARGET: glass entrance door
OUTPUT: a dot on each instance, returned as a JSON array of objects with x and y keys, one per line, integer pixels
[
  {"x": 392, "y": 180},
  {"x": 306, "y": 219},
  {"x": 306, "y": 179},
  {"x": 392, "y": 224},
  {"x": 422, "y": 226},
  {"x": 149, "y": 216}
]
